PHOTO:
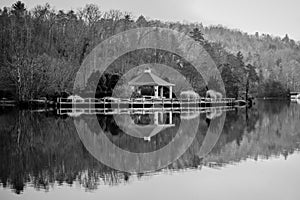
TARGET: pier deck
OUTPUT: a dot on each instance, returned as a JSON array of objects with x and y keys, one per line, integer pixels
[
  {"x": 119, "y": 106},
  {"x": 142, "y": 103}
]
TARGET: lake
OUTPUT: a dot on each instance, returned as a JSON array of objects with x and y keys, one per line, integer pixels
[{"x": 237, "y": 154}]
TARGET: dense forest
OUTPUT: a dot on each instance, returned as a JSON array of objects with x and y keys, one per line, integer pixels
[{"x": 42, "y": 49}]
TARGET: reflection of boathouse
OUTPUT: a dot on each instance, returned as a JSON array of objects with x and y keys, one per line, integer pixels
[
  {"x": 145, "y": 125},
  {"x": 148, "y": 79}
]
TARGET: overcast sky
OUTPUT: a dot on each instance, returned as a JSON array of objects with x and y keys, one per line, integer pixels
[{"x": 275, "y": 17}]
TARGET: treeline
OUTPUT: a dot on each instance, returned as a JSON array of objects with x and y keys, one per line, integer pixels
[
  {"x": 41, "y": 50},
  {"x": 275, "y": 58}
]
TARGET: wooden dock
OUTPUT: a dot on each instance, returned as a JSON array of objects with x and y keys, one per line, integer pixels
[
  {"x": 113, "y": 103},
  {"x": 138, "y": 105},
  {"x": 95, "y": 111}
]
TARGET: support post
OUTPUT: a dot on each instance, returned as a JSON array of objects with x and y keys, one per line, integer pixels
[
  {"x": 161, "y": 117},
  {"x": 170, "y": 118},
  {"x": 156, "y": 118},
  {"x": 156, "y": 91},
  {"x": 170, "y": 92}
]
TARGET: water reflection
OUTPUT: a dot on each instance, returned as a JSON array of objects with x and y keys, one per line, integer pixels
[
  {"x": 39, "y": 149},
  {"x": 113, "y": 147},
  {"x": 145, "y": 125}
]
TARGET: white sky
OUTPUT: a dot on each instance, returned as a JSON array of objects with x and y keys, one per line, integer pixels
[{"x": 275, "y": 17}]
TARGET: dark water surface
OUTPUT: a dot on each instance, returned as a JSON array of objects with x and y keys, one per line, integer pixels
[{"x": 256, "y": 156}]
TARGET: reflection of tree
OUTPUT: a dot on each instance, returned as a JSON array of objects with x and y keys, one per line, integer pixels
[
  {"x": 266, "y": 134},
  {"x": 48, "y": 151},
  {"x": 42, "y": 150}
]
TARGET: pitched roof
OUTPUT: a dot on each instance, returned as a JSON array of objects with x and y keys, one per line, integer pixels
[{"x": 148, "y": 78}]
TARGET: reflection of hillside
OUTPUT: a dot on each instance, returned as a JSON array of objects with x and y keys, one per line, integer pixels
[
  {"x": 48, "y": 150},
  {"x": 41, "y": 150},
  {"x": 275, "y": 132},
  {"x": 270, "y": 130}
]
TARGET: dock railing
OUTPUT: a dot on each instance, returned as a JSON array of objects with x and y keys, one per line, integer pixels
[
  {"x": 110, "y": 100},
  {"x": 110, "y": 103}
]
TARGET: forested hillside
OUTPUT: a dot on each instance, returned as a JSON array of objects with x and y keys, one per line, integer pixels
[
  {"x": 41, "y": 50},
  {"x": 277, "y": 58}
]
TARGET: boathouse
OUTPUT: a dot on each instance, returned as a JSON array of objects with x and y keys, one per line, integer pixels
[{"x": 149, "y": 79}]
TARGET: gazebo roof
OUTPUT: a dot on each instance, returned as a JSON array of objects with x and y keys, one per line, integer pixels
[{"x": 148, "y": 78}]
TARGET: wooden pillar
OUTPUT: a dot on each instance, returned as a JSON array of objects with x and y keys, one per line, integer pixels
[
  {"x": 156, "y": 118},
  {"x": 156, "y": 91},
  {"x": 162, "y": 92},
  {"x": 170, "y": 92},
  {"x": 170, "y": 118},
  {"x": 161, "y": 117}
]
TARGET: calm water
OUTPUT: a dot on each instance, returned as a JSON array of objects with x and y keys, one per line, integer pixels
[{"x": 256, "y": 156}]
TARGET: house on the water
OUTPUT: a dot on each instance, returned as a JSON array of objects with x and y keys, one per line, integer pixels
[{"x": 152, "y": 81}]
